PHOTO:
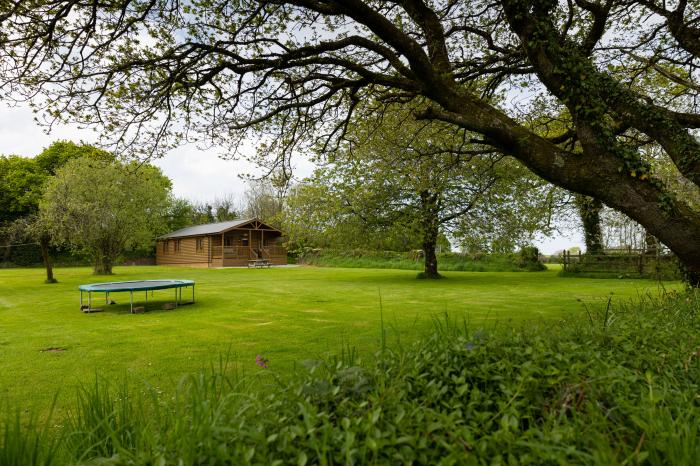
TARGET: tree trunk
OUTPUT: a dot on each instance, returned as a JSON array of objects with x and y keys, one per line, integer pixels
[
  {"x": 103, "y": 265},
  {"x": 7, "y": 250},
  {"x": 429, "y": 226},
  {"x": 46, "y": 257},
  {"x": 589, "y": 209},
  {"x": 651, "y": 246}
]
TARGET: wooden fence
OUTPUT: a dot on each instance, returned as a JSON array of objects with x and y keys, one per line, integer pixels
[{"x": 621, "y": 261}]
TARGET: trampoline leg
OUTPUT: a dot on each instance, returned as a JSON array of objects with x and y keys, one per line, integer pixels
[
  {"x": 106, "y": 297},
  {"x": 89, "y": 301},
  {"x": 81, "y": 300},
  {"x": 131, "y": 301},
  {"x": 192, "y": 294},
  {"x": 175, "y": 298}
]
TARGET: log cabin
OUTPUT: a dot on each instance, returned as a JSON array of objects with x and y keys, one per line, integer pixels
[{"x": 225, "y": 244}]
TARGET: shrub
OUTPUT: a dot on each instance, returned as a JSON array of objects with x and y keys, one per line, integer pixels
[
  {"x": 529, "y": 259},
  {"x": 411, "y": 261}
]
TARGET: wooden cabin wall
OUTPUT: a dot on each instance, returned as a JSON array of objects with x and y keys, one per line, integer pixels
[{"x": 187, "y": 254}]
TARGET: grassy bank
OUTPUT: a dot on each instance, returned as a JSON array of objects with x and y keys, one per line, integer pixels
[
  {"x": 617, "y": 384},
  {"x": 409, "y": 261}
]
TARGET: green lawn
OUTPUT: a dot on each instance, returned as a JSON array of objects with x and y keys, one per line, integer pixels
[{"x": 285, "y": 314}]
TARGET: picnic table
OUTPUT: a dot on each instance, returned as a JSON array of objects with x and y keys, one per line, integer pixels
[{"x": 258, "y": 263}]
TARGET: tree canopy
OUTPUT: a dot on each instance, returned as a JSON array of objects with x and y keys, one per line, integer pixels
[
  {"x": 100, "y": 208},
  {"x": 292, "y": 73},
  {"x": 21, "y": 185},
  {"x": 406, "y": 183}
]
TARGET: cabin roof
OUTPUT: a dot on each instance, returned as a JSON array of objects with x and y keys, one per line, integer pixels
[{"x": 213, "y": 228}]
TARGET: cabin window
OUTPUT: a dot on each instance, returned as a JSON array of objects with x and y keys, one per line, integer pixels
[
  {"x": 200, "y": 244},
  {"x": 164, "y": 247},
  {"x": 177, "y": 246}
]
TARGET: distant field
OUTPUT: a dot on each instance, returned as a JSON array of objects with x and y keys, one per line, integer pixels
[{"x": 285, "y": 314}]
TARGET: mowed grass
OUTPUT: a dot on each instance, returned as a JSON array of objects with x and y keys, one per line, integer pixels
[{"x": 284, "y": 314}]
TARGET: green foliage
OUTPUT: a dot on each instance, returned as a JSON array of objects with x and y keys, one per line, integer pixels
[
  {"x": 529, "y": 259},
  {"x": 21, "y": 185},
  {"x": 59, "y": 153},
  {"x": 358, "y": 258},
  {"x": 23, "y": 179},
  {"x": 181, "y": 213},
  {"x": 102, "y": 208},
  {"x": 26, "y": 441},
  {"x": 24, "y": 255},
  {"x": 401, "y": 184},
  {"x": 616, "y": 384}
]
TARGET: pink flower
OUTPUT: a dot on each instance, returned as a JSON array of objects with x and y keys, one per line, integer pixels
[{"x": 261, "y": 361}]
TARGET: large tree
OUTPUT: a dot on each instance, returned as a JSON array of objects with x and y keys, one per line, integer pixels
[
  {"x": 101, "y": 208},
  {"x": 156, "y": 72},
  {"x": 428, "y": 179}
]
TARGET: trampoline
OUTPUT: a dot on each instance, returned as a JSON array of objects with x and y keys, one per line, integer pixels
[{"x": 131, "y": 286}]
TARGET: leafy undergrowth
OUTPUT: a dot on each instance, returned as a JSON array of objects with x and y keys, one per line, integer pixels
[
  {"x": 620, "y": 385},
  {"x": 410, "y": 261}
]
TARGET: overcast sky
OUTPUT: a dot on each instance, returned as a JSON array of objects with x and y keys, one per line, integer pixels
[{"x": 197, "y": 175}]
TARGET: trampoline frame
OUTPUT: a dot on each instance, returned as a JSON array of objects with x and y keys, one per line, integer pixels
[{"x": 177, "y": 284}]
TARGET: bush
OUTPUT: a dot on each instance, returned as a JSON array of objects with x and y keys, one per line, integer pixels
[
  {"x": 356, "y": 258},
  {"x": 616, "y": 385},
  {"x": 529, "y": 259}
]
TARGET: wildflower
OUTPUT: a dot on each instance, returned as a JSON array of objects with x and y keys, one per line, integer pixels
[
  {"x": 469, "y": 346},
  {"x": 261, "y": 361}
]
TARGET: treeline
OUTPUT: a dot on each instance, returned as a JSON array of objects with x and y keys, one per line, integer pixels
[{"x": 79, "y": 204}]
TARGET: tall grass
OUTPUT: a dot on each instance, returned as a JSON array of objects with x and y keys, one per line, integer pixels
[
  {"x": 26, "y": 440},
  {"x": 616, "y": 384}
]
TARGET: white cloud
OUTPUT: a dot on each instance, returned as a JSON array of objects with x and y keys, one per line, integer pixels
[{"x": 198, "y": 175}]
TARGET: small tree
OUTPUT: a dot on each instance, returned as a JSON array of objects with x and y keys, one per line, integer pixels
[
  {"x": 102, "y": 208},
  {"x": 32, "y": 228}
]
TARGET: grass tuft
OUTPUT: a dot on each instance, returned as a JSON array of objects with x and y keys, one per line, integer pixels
[{"x": 27, "y": 440}]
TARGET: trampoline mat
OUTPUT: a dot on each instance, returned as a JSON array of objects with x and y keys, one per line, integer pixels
[{"x": 136, "y": 285}]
